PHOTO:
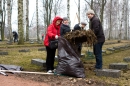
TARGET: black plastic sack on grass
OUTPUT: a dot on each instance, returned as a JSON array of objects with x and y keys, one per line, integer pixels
[{"x": 69, "y": 62}]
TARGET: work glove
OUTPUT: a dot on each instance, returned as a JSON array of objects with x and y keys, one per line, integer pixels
[{"x": 56, "y": 37}]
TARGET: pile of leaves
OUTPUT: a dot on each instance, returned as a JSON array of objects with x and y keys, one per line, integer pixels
[{"x": 80, "y": 36}]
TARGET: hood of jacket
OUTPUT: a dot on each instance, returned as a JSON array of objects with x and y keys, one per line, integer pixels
[{"x": 54, "y": 22}]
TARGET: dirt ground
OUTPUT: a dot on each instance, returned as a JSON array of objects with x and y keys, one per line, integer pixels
[
  {"x": 12, "y": 80},
  {"x": 47, "y": 80}
]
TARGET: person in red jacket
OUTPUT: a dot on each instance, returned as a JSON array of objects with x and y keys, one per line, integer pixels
[{"x": 53, "y": 32}]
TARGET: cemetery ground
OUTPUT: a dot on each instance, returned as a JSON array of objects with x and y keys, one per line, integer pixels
[{"x": 23, "y": 59}]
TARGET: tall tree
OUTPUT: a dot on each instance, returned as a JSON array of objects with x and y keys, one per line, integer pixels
[
  {"x": 27, "y": 20},
  {"x": 37, "y": 20},
  {"x": 47, "y": 9},
  {"x": 1, "y": 12},
  {"x": 126, "y": 19},
  {"x": 68, "y": 9},
  {"x": 121, "y": 25},
  {"x": 110, "y": 26},
  {"x": 79, "y": 10},
  {"x": 20, "y": 22},
  {"x": 3, "y": 20},
  {"x": 102, "y": 10},
  {"x": 9, "y": 19},
  {"x": 57, "y": 6}
]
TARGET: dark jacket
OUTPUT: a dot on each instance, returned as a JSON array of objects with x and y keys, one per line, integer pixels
[
  {"x": 77, "y": 27},
  {"x": 15, "y": 35},
  {"x": 63, "y": 29},
  {"x": 96, "y": 26}
]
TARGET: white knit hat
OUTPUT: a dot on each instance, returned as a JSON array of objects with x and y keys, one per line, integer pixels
[{"x": 90, "y": 11}]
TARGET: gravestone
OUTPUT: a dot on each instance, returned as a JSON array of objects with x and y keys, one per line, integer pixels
[
  {"x": 111, "y": 50},
  {"x": 3, "y": 53},
  {"x": 39, "y": 62},
  {"x": 24, "y": 50},
  {"x": 108, "y": 73},
  {"x": 82, "y": 55},
  {"x": 31, "y": 42},
  {"x": 104, "y": 52},
  {"x": 118, "y": 66},
  {"x": 42, "y": 49},
  {"x": 117, "y": 48},
  {"x": 127, "y": 59}
]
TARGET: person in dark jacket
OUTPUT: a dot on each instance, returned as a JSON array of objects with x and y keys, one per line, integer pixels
[
  {"x": 64, "y": 26},
  {"x": 79, "y": 26},
  {"x": 96, "y": 26},
  {"x": 15, "y": 36},
  {"x": 53, "y": 32}
]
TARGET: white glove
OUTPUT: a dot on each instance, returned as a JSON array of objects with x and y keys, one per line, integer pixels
[{"x": 56, "y": 37}]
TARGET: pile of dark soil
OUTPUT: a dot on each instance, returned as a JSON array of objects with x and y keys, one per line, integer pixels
[
  {"x": 80, "y": 36},
  {"x": 54, "y": 80}
]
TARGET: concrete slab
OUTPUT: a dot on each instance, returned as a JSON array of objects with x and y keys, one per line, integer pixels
[
  {"x": 3, "y": 53},
  {"x": 108, "y": 73},
  {"x": 38, "y": 62},
  {"x": 126, "y": 59},
  {"x": 119, "y": 66},
  {"x": 24, "y": 50},
  {"x": 42, "y": 49},
  {"x": 111, "y": 49},
  {"x": 82, "y": 55}
]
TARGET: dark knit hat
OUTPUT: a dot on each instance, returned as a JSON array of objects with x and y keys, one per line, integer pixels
[{"x": 65, "y": 18}]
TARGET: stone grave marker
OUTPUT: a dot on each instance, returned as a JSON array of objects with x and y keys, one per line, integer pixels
[
  {"x": 24, "y": 50},
  {"x": 108, "y": 73},
  {"x": 118, "y": 66},
  {"x": 3, "y": 53},
  {"x": 42, "y": 49},
  {"x": 39, "y": 62},
  {"x": 127, "y": 59}
]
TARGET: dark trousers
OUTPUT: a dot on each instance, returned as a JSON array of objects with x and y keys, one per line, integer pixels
[
  {"x": 79, "y": 46},
  {"x": 50, "y": 58},
  {"x": 15, "y": 39},
  {"x": 97, "y": 48}
]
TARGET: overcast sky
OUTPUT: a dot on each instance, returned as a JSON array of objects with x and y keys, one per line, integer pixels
[{"x": 32, "y": 7}]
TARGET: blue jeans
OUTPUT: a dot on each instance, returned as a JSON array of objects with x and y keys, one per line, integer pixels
[{"x": 97, "y": 49}]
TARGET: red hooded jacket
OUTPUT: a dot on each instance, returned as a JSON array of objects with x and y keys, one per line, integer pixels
[{"x": 52, "y": 31}]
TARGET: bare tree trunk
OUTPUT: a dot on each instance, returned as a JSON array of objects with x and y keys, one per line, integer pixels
[
  {"x": 102, "y": 10},
  {"x": 121, "y": 26},
  {"x": 3, "y": 21},
  {"x": 9, "y": 20},
  {"x": 79, "y": 10},
  {"x": 38, "y": 39},
  {"x": 126, "y": 20},
  {"x": 68, "y": 9},
  {"x": 110, "y": 28},
  {"x": 47, "y": 7},
  {"x": 91, "y": 4},
  {"x": 1, "y": 16},
  {"x": 27, "y": 20},
  {"x": 20, "y": 22}
]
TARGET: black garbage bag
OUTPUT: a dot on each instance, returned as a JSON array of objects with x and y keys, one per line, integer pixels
[{"x": 69, "y": 62}]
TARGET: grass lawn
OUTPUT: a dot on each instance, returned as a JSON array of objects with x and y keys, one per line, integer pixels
[{"x": 24, "y": 59}]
